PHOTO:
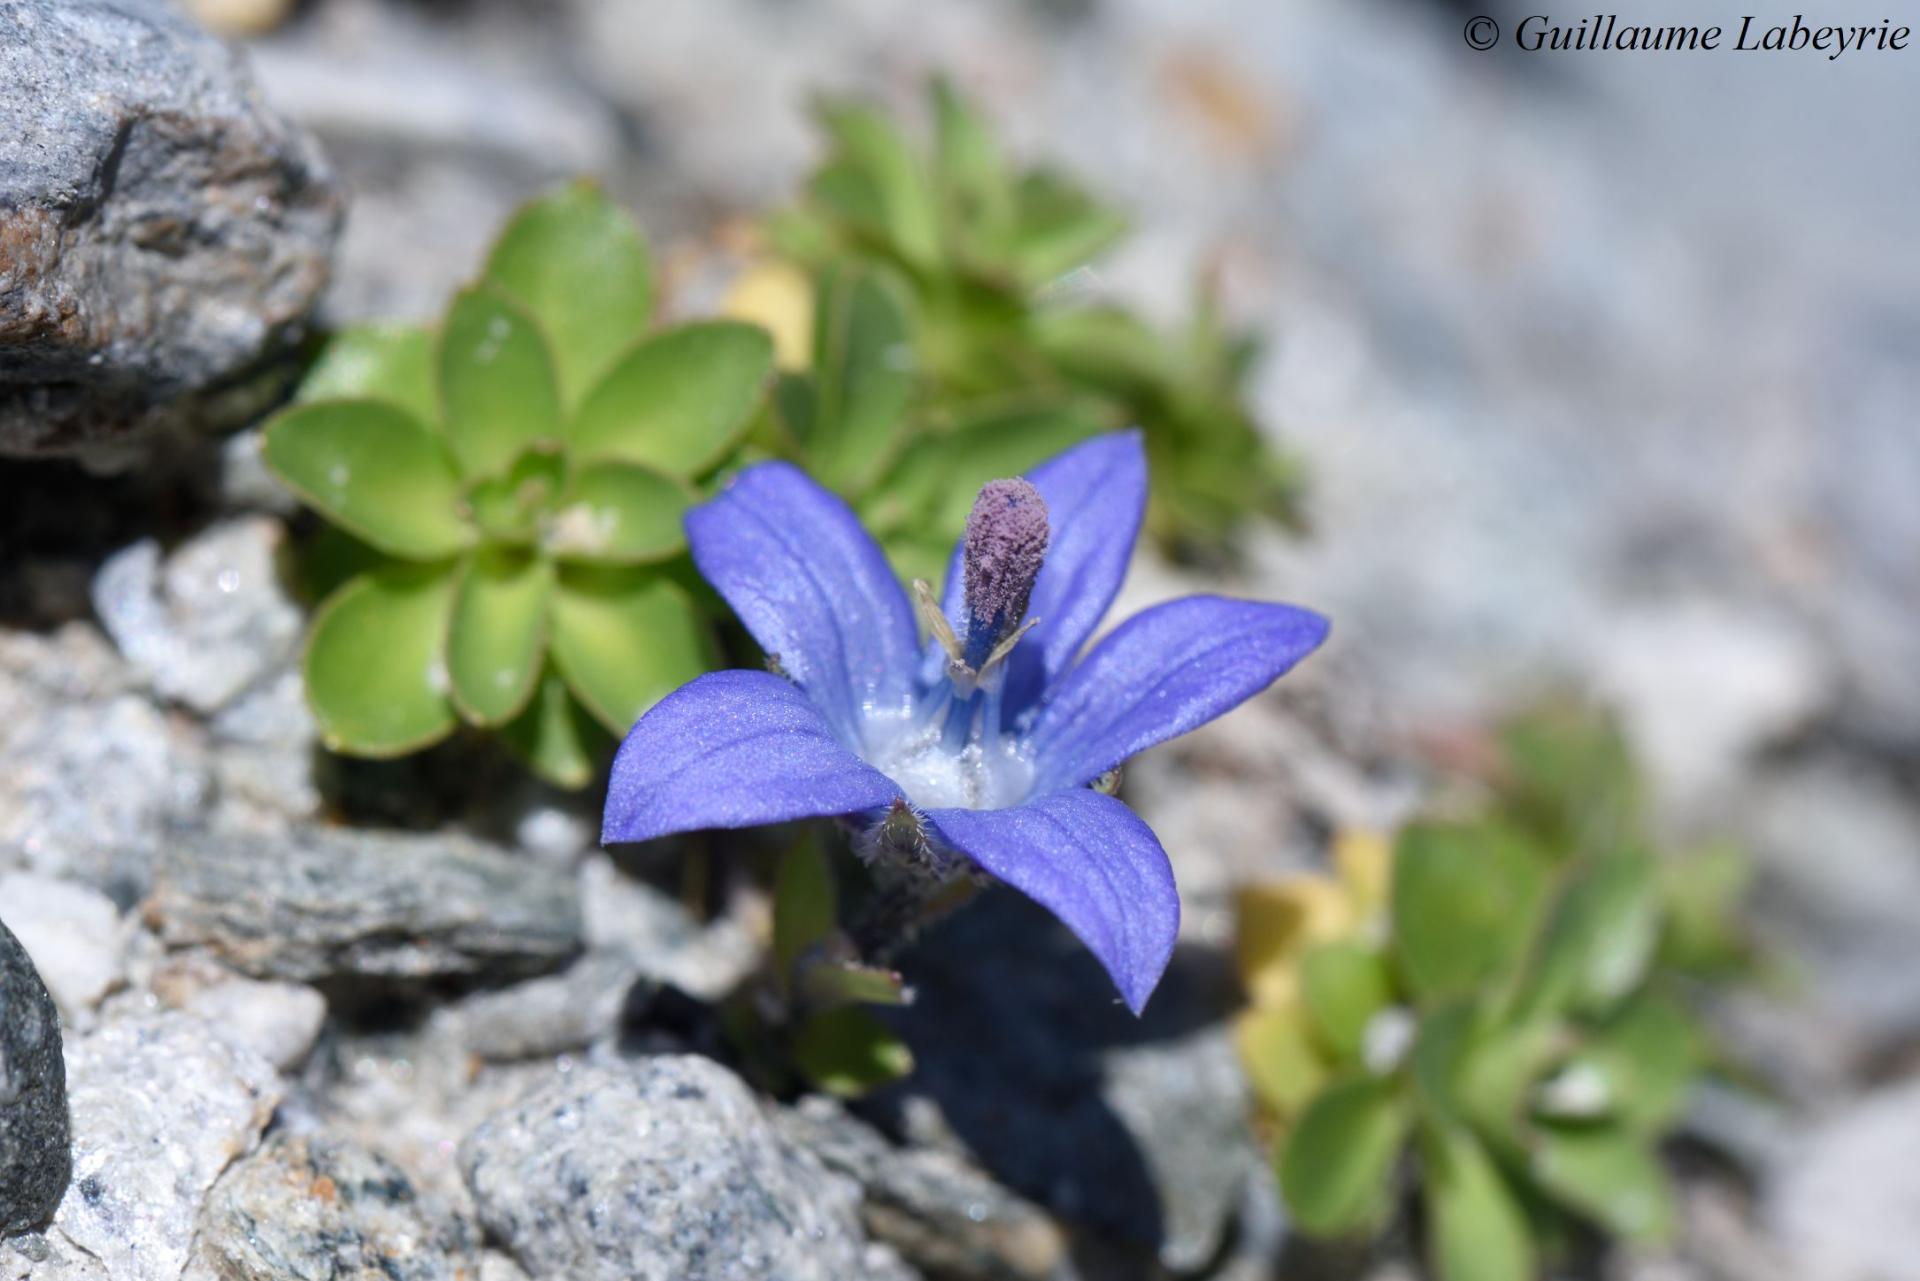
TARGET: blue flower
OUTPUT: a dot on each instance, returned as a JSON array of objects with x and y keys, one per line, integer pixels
[{"x": 984, "y": 742}]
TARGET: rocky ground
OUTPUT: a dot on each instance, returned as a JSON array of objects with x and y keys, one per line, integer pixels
[{"x": 1604, "y": 371}]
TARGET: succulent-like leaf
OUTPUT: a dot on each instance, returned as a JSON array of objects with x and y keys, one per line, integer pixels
[
  {"x": 1465, "y": 900},
  {"x": 863, "y": 380},
  {"x": 510, "y": 507},
  {"x": 375, "y": 671},
  {"x": 975, "y": 185},
  {"x": 932, "y": 484},
  {"x": 393, "y": 363},
  {"x": 497, "y": 388},
  {"x": 1476, "y": 1230},
  {"x": 779, "y": 297},
  {"x": 497, "y": 641},
  {"x": 1701, "y": 890},
  {"x": 1345, "y": 984},
  {"x": 1337, "y": 1163},
  {"x": 369, "y": 467},
  {"x": 1570, "y": 778},
  {"x": 1278, "y": 1054},
  {"x": 1607, "y": 1175},
  {"x": 1060, "y": 227},
  {"x": 579, "y": 263},
  {"x": 1645, "y": 1060},
  {"x": 624, "y": 639},
  {"x": 1277, "y": 922},
  {"x": 621, "y": 514},
  {"x": 678, "y": 401},
  {"x": 1599, "y": 940},
  {"x": 828, "y": 984},
  {"x": 556, "y": 737},
  {"x": 803, "y": 904},
  {"x": 848, "y": 1052},
  {"x": 877, "y": 183}
]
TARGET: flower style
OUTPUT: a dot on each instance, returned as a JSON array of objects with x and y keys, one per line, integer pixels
[{"x": 985, "y": 742}]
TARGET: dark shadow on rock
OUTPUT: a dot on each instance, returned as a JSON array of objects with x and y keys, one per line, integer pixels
[{"x": 1011, "y": 1023}]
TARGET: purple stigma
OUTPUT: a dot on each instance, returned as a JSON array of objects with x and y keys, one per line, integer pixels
[{"x": 1005, "y": 543}]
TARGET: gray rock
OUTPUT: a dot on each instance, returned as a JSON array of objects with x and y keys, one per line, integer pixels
[
  {"x": 266, "y": 753},
  {"x": 939, "y": 1210},
  {"x": 316, "y": 1208},
  {"x": 33, "y": 1094},
  {"x": 160, "y": 1107},
  {"x": 277, "y": 1021},
  {"x": 669, "y": 945},
  {"x": 50, "y": 1257},
  {"x": 165, "y": 234},
  {"x": 322, "y": 904},
  {"x": 66, "y": 723},
  {"x": 73, "y": 934},
  {"x": 1842, "y": 1201},
  {"x": 547, "y": 1016},
  {"x": 209, "y": 622},
  {"x": 665, "y": 1171}
]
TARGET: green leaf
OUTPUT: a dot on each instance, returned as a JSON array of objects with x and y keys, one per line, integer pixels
[
  {"x": 509, "y": 507},
  {"x": 391, "y": 363},
  {"x": 499, "y": 633},
  {"x": 625, "y": 639},
  {"x": 1278, "y": 1054},
  {"x": 1702, "y": 890},
  {"x": 1475, "y": 1229},
  {"x": 1337, "y": 1162},
  {"x": 373, "y": 470},
  {"x": 1599, "y": 940},
  {"x": 1060, "y": 227},
  {"x": 1570, "y": 778},
  {"x": 863, "y": 363},
  {"x": 976, "y": 190},
  {"x": 848, "y": 1052},
  {"x": 679, "y": 401},
  {"x": 375, "y": 671},
  {"x": 876, "y": 182},
  {"x": 1644, "y": 1061},
  {"x": 496, "y": 382},
  {"x": 1346, "y": 984},
  {"x": 579, "y": 263},
  {"x": 1608, "y": 1176},
  {"x": 803, "y": 904},
  {"x": 932, "y": 486},
  {"x": 828, "y": 984},
  {"x": 621, "y": 514},
  {"x": 556, "y": 737},
  {"x": 1497, "y": 1072},
  {"x": 1465, "y": 899}
]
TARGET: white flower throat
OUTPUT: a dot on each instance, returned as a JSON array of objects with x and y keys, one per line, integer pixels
[{"x": 951, "y": 749}]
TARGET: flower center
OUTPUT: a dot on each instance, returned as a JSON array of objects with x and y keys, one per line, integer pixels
[{"x": 948, "y": 749}]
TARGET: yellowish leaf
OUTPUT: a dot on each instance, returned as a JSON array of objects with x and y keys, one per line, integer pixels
[
  {"x": 1278, "y": 922},
  {"x": 778, "y": 297}
]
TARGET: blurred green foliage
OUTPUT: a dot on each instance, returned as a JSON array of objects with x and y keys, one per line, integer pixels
[
  {"x": 1500, "y": 998},
  {"x": 949, "y": 342}
]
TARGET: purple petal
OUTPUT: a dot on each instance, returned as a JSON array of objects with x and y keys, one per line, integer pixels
[
  {"x": 1163, "y": 672},
  {"x": 1090, "y": 861},
  {"x": 734, "y": 749},
  {"x": 1096, "y": 496},
  {"x": 811, "y": 587}
]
